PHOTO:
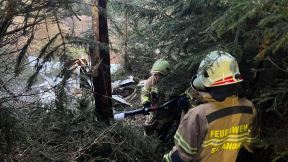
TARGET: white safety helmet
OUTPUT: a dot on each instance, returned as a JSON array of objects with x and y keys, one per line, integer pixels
[{"x": 218, "y": 68}]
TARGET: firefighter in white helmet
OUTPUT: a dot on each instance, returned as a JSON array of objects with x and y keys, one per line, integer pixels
[
  {"x": 216, "y": 129},
  {"x": 156, "y": 122}
]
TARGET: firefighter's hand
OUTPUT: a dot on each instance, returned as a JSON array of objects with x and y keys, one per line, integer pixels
[
  {"x": 145, "y": 107},
  {"x": 183, "y": 102}
]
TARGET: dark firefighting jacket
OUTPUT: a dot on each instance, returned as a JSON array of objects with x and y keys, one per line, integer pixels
[{"x": 214, "y": 131}]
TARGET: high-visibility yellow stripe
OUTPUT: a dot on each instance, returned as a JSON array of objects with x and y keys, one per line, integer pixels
[
  {"x": 226, "y": 139},
  {"x": 145, "y": 90},
  {"x": 184, "y": 145},
  {"x": 189, "y": 95},
  {"x": 188, "y": 152},
  {"x": 145, "y": 94},
  {"x": 182, "y": 139},
  {"x": 144, "y": 99},
  {"x": 229, "y": 136},
  {"x": 250, "y": 140},
  {"x": 167, "y": 157},
  {"x": 154, "y": 89},
  {"x": 214, "y": 143}
]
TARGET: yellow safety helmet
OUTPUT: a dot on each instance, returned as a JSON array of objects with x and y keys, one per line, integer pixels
[
  {"x": 218, "y": 68},
  {"x": 162, "y": 66}
]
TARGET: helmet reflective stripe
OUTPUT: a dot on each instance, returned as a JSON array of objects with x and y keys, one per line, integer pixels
[
  {"x": 226, "y": 80},
  {"x": 218, "y": 68},
  {"x": 161, "y": 66}
]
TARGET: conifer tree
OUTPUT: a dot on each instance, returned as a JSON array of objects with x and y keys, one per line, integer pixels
[{"x": 253, "y": 31}]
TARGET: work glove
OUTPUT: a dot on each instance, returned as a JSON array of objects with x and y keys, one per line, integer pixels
[{"x": 183, "y": 102}]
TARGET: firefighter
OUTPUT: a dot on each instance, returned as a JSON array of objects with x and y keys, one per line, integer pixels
[
  {"x": 215, "y": 130},
  {"x": 156, "y": 122}
]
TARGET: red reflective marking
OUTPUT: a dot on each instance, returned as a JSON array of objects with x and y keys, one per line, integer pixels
[
  {"x": 225, "y": 81},
  {"x": 230, "y": 77}
]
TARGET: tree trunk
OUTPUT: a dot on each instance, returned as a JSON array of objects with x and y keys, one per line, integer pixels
[
  {"x": 100, "y": 62},
  {"x": 126, "y": 43}
]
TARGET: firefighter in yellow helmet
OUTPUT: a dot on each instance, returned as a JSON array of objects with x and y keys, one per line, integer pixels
[
  {"x": 215, "y": 130},
  {"x": 156, "y": 122}
]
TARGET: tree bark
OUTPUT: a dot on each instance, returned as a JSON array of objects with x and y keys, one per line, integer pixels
[
  {"x": 126, "y": 43},
  {"x": 100, "y": 58}
]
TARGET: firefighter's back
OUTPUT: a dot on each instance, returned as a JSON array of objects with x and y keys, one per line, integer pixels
[{"x": 228, "y": 129}]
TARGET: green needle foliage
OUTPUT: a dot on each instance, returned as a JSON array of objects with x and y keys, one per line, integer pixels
[
  {"x": 181, "y": 31},
  {"x": 254, "y": 31}
]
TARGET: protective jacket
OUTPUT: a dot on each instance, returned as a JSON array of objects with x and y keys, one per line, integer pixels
[
  {"x": 159, "y": 121},
  {"x": 214, "y": 131},
  {"x": 149, "y": 91}
]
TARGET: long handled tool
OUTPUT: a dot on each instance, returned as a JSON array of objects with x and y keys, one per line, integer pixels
[{"x": 145, "y": 111}]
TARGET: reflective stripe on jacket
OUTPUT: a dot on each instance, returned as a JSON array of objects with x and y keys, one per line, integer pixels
[
  {"x": 214, "y": 131},
  {"x": 148, "y": 89}
]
